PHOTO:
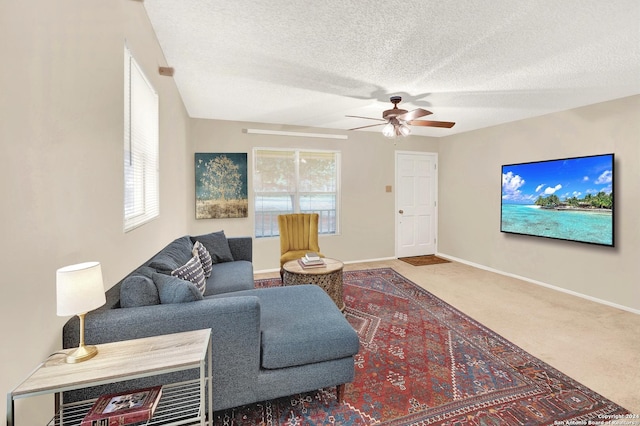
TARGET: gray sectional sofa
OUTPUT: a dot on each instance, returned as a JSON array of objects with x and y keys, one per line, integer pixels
[{"x": 267, "y": 342}]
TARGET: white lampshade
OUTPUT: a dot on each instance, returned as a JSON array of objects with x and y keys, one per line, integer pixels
[{"x": 79, "y": 288}]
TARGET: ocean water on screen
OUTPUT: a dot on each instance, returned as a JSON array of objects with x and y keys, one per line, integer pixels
[{"x": 585, "y": 226}]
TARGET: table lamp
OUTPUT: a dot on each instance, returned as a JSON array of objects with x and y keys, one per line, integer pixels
[{"x": 79, "y": 289}]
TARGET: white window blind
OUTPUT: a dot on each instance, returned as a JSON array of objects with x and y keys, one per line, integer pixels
[
  {"x": 295, "y": 181},
  {"x": 141, "y": 181}
]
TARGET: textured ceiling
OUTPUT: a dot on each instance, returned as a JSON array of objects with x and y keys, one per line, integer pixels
[{"x": 476, "y": 62}]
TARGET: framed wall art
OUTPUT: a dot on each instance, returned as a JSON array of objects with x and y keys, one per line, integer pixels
[{"x": 221, "y": 185}]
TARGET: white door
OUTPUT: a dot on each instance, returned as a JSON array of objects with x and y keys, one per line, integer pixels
[{"x": 416, "y": 203}]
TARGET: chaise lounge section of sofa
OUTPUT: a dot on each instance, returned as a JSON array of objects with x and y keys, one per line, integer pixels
[{"x": 267, "y": 342}]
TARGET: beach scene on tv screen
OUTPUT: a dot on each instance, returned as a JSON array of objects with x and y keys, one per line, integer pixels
[{"x": 569, "y": 199}]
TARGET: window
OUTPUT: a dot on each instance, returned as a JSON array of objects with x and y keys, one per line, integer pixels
[
  {"x": 141, "y": 189},
  {"x": 295, "y": 181}
]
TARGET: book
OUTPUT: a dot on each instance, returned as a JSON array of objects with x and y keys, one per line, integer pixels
[
  {"x": 311, "y": 256},
  {"x": 306, "y": 265},
  {"x": 123, "y": 408},
  {"x": 312, "y": 260}
]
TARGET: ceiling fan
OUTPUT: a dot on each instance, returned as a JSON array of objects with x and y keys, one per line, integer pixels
[{"x": 396, "y": 121}]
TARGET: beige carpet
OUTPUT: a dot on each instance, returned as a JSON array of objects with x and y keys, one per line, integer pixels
[
  {"x": 430, "y": 259},
  {"x": 597, "y": 345}
]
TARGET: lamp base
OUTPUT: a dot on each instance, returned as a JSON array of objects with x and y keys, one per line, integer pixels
[{"x": 83, "y": 353}]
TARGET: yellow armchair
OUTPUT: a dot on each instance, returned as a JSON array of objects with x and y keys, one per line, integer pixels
[{"x": 298, "y": 236}]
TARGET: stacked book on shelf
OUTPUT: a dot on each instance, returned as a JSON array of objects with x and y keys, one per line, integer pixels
[
  {"x": 311, "y": 260},
  {"x": 126, "y": 408}
]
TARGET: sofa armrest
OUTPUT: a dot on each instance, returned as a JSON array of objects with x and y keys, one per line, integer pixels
[
  {"x": 234, "y": 321},
  {"x": 235, "y": 337},
  {"x": 241, "y": 248},
  {"x": 112, "y": 325}
]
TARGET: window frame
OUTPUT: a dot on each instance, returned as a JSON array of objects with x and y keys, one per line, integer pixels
[
  {"x": 296, "y": 194},
  {"x": 141, "y": 162}
]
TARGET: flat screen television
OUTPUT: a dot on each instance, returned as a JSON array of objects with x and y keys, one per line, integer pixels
[{"x": 566, "y": 199}]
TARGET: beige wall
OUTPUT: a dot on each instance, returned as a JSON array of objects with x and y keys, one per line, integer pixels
[
  {"x": 470, "y": 199},
  {"x": 367, "y": 211},
  {"x": 61, "y": 129},
  {"x": 61, "y": 134}
]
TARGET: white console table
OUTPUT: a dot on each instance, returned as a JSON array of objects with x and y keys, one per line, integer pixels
[{"x": 127, "y": 360}]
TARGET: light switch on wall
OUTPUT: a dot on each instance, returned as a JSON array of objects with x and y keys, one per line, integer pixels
[{"x": 387, "y": 188}]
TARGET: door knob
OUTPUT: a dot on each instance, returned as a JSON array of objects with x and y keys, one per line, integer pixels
[{"x": 400, "y": 211}]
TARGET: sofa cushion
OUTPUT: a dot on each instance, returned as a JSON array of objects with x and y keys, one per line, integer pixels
[
  {"x": 205, "y": 257},
  {"x": 138, "y": 290},
  {"x": 301, "y": 325},
  {"x": 230, "y": 276},
  {"x": 217, "y": 245},
  {"x": 192, "y": 271},
  {"x": 176, "y": 254},
  {"x": 145, "y": 271},
  {"x": 175, "y": 290}
]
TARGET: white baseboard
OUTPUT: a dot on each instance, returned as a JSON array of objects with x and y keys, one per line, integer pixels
[
  {"x": 380, "y": 259},
  {"x": 266, "y": 271},
  {"x": 540, "y": 283}
]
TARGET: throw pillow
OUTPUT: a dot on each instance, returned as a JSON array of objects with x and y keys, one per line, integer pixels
[
  {"x": 138, "y": 290},
  {"x": 163, "y": 264},
  {"x": 205, "y": 258},
  {"x": 192, "y": 271},
  {"x": 177, "y": 253},
  {"x": 175, "y": 290},
  {"x": 217, "y": 245}
]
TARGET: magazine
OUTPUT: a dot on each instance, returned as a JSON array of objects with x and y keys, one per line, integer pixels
[{"x": 123, "y": 408}]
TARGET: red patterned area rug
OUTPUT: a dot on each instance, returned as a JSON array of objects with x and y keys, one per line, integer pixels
[{"x": 423, "y": 362}]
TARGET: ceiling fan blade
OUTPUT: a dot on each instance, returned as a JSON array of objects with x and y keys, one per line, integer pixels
[
  {"x": 412, "y": 115},
  {"x": 366, "y": 118},
  {"x": 364, "y": 127},
  {"x": 426, "y": 123}
]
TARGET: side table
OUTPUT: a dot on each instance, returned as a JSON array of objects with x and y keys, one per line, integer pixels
[
  {"x": 328, "y": 277},
  {"x": 130, "y": 359}
]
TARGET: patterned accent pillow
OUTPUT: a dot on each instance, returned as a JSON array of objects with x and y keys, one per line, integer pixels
[
  {"x": 192, "y": 271},
  {"x": 205, "y": 258}
]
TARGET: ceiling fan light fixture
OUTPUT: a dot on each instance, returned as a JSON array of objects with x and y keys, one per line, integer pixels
[
  {"x": 398, "y": 121},
  {"x": 404, "y": 130},
  {"x": 389, "y": 130}
]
